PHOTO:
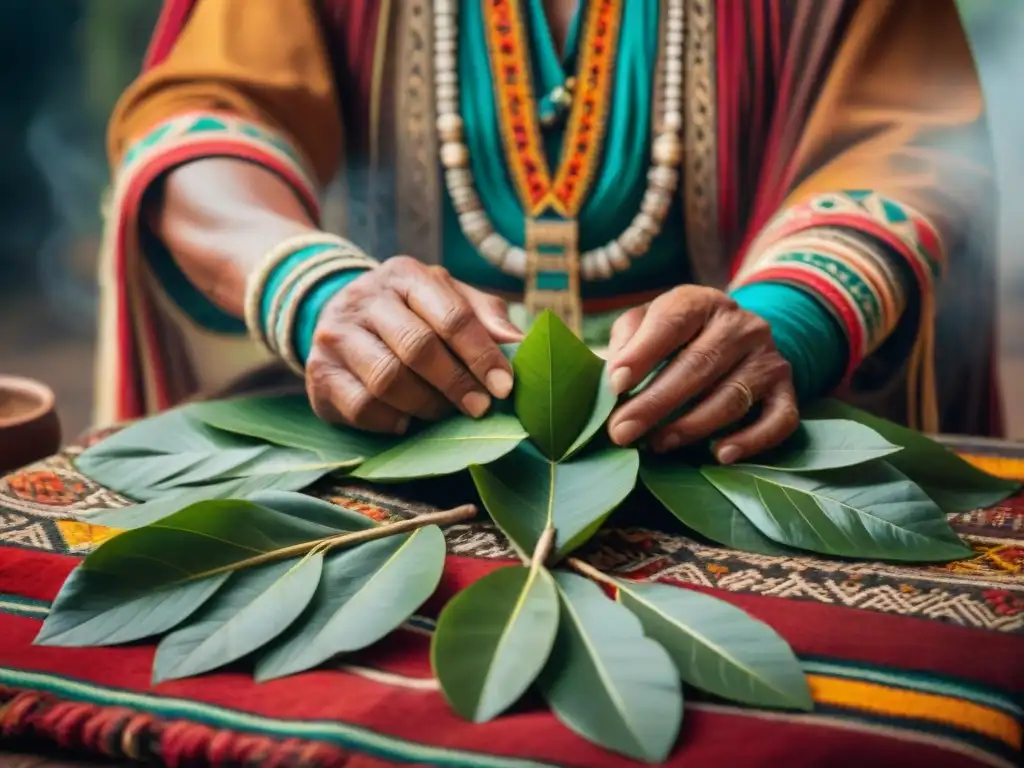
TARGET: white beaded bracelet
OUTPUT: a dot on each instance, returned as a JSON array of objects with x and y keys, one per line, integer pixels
[
  {"x": 284, "y": 290},
  {"x": 282, "y": 333},
  {"x": 256, "y": 283}
]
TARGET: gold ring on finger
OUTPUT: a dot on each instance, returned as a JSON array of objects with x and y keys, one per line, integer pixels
[{"x": 748, "y": 395}]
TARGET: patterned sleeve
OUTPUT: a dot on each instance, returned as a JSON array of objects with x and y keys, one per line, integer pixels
[
  {"x": 866, "y": 258},
  {"x": 892, "y": 161},
  {"x": 242, "y": 79}
]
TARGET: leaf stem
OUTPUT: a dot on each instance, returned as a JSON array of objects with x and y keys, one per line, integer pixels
[
  {"x": 586, "y": 569},
  {"x": 542, "y": 551},
  {"x": 445, "y": 517}
]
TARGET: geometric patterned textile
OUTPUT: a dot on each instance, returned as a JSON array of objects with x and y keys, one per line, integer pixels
[
  {"x": 908, "y": 665},
  {"x": 47, "y": 507}
]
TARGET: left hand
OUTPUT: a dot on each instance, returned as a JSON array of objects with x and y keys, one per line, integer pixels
[{"x": 718, "y": 357}]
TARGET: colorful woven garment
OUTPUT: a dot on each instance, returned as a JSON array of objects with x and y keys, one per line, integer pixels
[{"x": 908, "y": 665}]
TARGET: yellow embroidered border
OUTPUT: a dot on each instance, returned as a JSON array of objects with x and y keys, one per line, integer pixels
[
  {"x": 1000, "y": 466},
  {"x": 517, "y": 105},
  {"x": 903, "y": 704}
]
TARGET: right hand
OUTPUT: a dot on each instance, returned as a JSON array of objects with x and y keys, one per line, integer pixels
[{"x": 408, "y": 340}]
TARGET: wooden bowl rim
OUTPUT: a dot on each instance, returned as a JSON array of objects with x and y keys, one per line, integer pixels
[{"x": 39, "y": 392}]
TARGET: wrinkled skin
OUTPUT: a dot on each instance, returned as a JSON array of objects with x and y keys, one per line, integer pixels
[
  {"x": 408, "y": 340},
  {"x": 718, "y": 357}
]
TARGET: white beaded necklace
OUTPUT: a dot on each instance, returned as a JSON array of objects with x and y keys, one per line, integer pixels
[{"x": 662, "y": 178}]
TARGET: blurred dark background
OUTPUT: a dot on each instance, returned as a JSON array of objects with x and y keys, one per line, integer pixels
[{"x": 63, "y": 64}]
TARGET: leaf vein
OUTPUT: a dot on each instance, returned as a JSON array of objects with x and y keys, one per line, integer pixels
[
  {"x": 852, "y": 508},
  {"x": 194, "y": 532},
  {"x": 608, "y": 684}
]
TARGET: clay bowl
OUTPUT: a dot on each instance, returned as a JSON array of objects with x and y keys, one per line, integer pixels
[{"x": 29, "y": 427}]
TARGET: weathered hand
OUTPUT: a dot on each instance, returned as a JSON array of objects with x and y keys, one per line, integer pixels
[
  {"x": 718, "y": 357},
  {"x": 408, "y": 340}
]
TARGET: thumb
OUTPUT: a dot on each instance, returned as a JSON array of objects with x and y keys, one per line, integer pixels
[
  {"x": 493, "y": 313},
  {"x": 623, "y": 329}
]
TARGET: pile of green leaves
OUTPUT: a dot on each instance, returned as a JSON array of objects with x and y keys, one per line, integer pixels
[
  {"x": 290, "y": 582},
  {"x": 283, "y": 577}
]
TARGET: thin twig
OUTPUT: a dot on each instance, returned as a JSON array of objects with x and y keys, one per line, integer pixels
[
  {"x": 586, "y": 569},
  {"x": 446, "y": 517},
  {"x": 542, "y": 551}
]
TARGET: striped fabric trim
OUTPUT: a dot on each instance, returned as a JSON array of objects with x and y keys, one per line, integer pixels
[
  {"x": 1000, "y": 466},
  {"x": 953, "y": 713},
  {"x": 905, "y": 230},
  {"x": 849, "y": 287},
  {"x": 984, "y": 728},
  {"x": 841, "y": 723},
  {"x": 989, "y": 732},
  {"x": 945, "y": 707},
  {"x": 917, "y": 681},
  {"x": 348, "y": 736},
  {"x": 129, "y": 344},
  {"x": 839, "y": 246},
  {"x": 16, "y": 605},
  {"x": 205, "y": 125}
]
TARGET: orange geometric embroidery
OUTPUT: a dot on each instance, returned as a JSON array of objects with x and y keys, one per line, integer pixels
[
  {"x": 517, "y": 106},
  {"x": 45, "y": 487},
  {"x": 363, "y": 508}
]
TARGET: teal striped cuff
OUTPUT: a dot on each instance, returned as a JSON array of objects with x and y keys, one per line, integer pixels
[{"x": 313, "y": 303}]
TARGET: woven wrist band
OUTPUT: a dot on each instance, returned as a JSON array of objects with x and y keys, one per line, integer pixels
[
  {"x": 256, "y": 283},
  {"x": 282, "y": 295},
  {"x": 281, "y": 334}
]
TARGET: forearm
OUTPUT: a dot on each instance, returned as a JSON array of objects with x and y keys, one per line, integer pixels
[
  {"x": 219, "y": 222},
  {"x": 218, "y": 217},
  {"x": 242, "y": 80}
]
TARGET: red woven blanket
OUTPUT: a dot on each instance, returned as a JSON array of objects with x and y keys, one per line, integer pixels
[{"x": 908, "y": 665}]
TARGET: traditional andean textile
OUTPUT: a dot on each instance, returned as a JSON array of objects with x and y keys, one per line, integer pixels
[{"x": 908, "y": 665}]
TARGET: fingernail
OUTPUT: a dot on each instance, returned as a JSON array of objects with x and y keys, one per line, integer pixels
[
  {"x": 511, "y": 327},
  {"x": 670, "y": 442},
  {"x": 620, "y": 379},
  {"x": 476, "y": 404},
  {"x": 499, "y": 382},
  {"x": 402, "y": 426},
  {"x": 626, "y": 432},
  {"x": 728, "y": 454}
]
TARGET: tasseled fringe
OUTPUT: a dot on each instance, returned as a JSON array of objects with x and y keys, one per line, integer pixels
[{"x": 122, "y": 733}]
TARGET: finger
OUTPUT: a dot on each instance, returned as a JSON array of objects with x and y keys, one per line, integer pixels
[
  {"x": 668, "y": 324},
  {"x": 385, "y": 376},
  {"x": 419, "y": 348},
  {"x": 693, "y": 372},
  {"x": 453, "y": 319},
  {"x": 493, "y": 313},
  {"x": 779, "y": 419},
  {"x": 623, "y": 329},
  {"x": 338, "y": 397},
  {"x": 726, "y": 405}
]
